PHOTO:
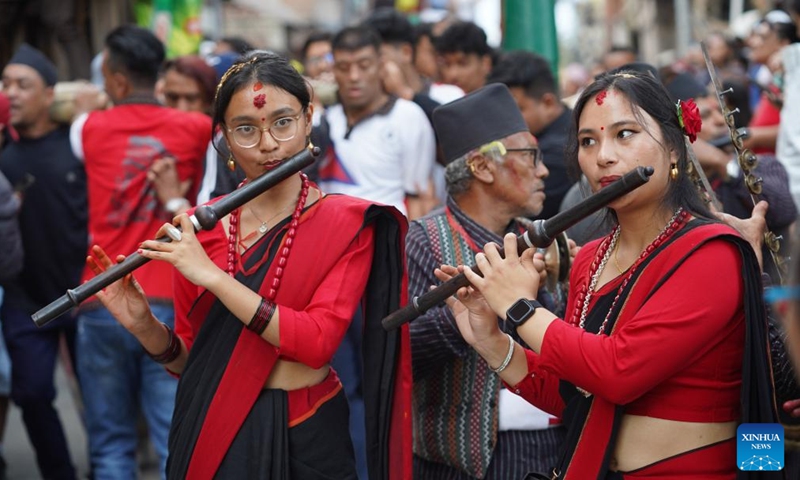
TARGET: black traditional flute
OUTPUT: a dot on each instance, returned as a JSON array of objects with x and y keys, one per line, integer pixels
[
  {"x": 205, "y": 218},
  {"x": 541, "y": 234}
]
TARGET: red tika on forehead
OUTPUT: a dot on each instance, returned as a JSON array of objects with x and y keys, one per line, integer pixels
[
  {"x": 257, "y": 86},
  {"x": 600, "y": 98},
  {"x": 260, "y": 100}
]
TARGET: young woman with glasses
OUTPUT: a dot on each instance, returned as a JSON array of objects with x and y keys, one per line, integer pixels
[{"x": 263, "y": 301}]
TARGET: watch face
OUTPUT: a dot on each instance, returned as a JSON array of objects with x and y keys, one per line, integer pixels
[{"x": 519, "y": 311}]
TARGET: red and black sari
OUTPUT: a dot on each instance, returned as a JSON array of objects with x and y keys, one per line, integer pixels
[
  {"x": 346, "y": 251},
  {"x": 593, "y": 421}
]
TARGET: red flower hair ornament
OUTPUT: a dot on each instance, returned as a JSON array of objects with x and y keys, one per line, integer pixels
[{"x": 689, "y": 118}]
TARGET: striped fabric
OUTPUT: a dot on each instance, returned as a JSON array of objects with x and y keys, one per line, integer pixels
[
  {"x": 518, "y": 453},
  {"x": 455, "y": 393}
]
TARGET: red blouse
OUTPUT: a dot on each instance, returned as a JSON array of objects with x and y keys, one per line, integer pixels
[
  {"x": 679, "y": 358},
  {"x": 310, "y": 335}
]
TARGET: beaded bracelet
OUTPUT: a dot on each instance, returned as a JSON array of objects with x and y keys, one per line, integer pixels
[
  {"x": 507, "y": 360},
  {"x": 171, "y": 352},
  {"x": 261, "y": 318}
]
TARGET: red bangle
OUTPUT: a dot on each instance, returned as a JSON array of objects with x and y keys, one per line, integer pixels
[
  {"x": 261, "y": 318},
  {"x": 172, "y": 351}
]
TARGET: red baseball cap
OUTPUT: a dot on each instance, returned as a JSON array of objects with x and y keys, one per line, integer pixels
[{"x": 5, "y": 115}]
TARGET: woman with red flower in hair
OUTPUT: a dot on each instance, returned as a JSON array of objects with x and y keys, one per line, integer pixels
[{"x": 662, "y": 352}]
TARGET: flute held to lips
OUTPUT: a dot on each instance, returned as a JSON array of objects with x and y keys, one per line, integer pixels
[
  {"x": 541, "y": 234},
  {"x": 204, "y": 218}
]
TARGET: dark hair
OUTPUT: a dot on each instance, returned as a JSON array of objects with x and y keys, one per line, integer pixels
[
  {"x": 420, "y": 31},
  {"x": 463, "y": 37},
  {"x": 259, "y": 66},
  {"x": 738, "y": 98},
  {"x": 315, "y": 37},
  {"x": 793, "y": 6},
  {"x": 392, "y": 26},
  {"x": 526, "y": 70},
  {"x": 136, "y": 53},
  {"x": 196, "y": 68},
  {"x": 783, "y": 30},
  {"x": 645, "y": 94},
  {"x": 238, "y": 44},
  {"x": 355, "y": 38}
]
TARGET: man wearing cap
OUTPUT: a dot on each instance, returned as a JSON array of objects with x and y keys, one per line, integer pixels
[
  {"x": 53, "y": 224},
  {"x": 535, "y": 90},
  {"x": 466, "y": 425}
]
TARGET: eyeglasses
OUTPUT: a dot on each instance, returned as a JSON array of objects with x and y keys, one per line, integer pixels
[
  {"x": 282, "y": 130},
  {"x": 534, "y": 152},
  {"x": 327, "y": 58}
]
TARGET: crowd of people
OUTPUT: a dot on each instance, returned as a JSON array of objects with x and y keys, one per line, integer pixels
[{"x": 255, "y": 349}]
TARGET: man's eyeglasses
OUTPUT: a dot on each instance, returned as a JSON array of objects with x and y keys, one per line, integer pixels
[
  {"x": 534, "y": 152},
  {"x": 313, "y": 60},
  {"x": 282, "y": 130}
]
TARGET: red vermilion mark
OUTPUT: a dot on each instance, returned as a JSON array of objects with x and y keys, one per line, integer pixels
[
  {"x": 257, "y": 86},
  {"x": 602, "y": 128},
  {"x": 260, "y": 100},
  {"x": 263, "y": 119},
  {"x": 601, "y": 97}
]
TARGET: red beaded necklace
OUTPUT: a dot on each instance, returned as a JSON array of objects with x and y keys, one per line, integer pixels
[
  {"x": 601, "y": 258},
  {"x": 233, "y": 230}
]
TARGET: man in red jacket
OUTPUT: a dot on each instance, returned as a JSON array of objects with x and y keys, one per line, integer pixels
[{"x": 120, "y": 146}]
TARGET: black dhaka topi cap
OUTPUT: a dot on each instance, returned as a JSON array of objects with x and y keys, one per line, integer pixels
[
  {"x": 27, "y": 55},
  {"x": 480, "y": 117}
]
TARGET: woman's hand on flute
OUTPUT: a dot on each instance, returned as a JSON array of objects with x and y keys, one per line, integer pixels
[
  {"x": 476, "y": 320},
  {"x": 505, "y": 280},
  {"x": 124, "y": 299},
  {"x": 478, "y": 324},
  {"x": 184, "y": 252}
]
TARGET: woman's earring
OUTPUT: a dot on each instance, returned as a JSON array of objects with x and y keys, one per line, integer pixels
[
  {"x": 231, "y": 163},
  {"x": 673, "y": 171}
]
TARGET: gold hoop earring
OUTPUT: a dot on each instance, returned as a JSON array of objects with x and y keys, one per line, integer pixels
[
  {"x": 673, "y": 171},
  {"x": 231, "y": 163}
]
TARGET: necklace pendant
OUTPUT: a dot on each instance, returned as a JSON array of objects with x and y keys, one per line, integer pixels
[{"x": 263, "y": 228}]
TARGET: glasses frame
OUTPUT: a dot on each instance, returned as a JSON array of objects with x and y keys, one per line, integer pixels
[
  {"x": 503, "y": 150},
  {"x": 535, "y": 151},
  {"x": 261, "y": 130}
]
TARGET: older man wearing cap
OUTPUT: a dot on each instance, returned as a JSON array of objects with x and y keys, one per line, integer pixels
[
  {"x": 466, "y": 425},
  {"x": 53, "y": 224}
]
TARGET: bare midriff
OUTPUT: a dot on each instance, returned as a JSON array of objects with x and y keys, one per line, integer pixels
[
  {"x": 645, "y": 440},
  {"x": 288, "y": 375}
]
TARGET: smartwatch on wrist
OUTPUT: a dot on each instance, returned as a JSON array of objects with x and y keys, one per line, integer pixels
[{"x": 521, "y": 311}]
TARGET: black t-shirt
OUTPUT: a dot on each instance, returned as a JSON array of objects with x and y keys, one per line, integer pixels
[{"x": 52, "y": 218}]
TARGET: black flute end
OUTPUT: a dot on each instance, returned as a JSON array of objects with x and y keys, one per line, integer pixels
[
  {"x": 53, "y": 310},
  {"x": 402, "y": 316}
]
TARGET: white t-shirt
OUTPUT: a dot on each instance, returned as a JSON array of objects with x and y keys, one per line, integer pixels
[
  {"x": 382, "y": 158},
  {"x": 444, "y": 93}
]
